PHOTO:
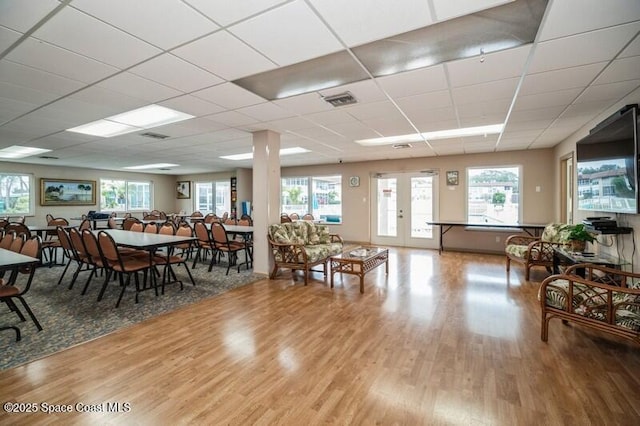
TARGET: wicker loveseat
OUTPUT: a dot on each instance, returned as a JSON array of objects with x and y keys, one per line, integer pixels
[
  {"x": 301, "y": 246},
  {"x": 605, "y": 299},
  {"x": 536, "y": 251}
]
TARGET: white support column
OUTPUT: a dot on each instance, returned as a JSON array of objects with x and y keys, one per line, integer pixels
[{"x": 266, "y": 195}]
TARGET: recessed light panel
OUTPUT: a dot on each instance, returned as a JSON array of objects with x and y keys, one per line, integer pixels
[{"x": 17, "y": 151}]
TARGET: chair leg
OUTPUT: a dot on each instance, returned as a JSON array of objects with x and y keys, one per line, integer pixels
[
  {"x": 14, "y": 308},
  {"x": 14, "y": 328},
  {"x": 28, "y": 309},
  {"x": 104, "y": 285},
  {"x": 124, "y": 287}
]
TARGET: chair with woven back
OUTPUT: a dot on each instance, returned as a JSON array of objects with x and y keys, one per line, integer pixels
[
  {"x": 284, "y": 218},
  {"x": 123, "y": 265},
  {"x": 9, "y": 291},
  {"x": 294, "y": 216},
  {"x": 223, "y": 244}
]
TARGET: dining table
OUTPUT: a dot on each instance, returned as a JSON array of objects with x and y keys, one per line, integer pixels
[
  {"x": 146, "y": 240},
  {"x": 11, "y": 261}
]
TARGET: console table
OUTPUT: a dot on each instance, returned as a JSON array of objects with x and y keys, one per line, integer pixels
[{"x": 531, "y": 229}]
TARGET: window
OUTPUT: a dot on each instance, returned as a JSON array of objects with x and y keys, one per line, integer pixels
[
  {"x": 122, "y": 195},
  {"x": 321, "y": 196},
  {"x": 205, "y": 201},
  {"x": 493, "y": 195},
  {"x": 16, "y": 194}
]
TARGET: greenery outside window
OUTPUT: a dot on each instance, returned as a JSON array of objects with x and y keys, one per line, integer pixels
[
  {"x": 493, "y": 195},
  {"x": 16, "y": 194},
  {"x": 122, "y": 195},
  {"x": 204, "y": 197},
  {"x": 319, "y": 195}
]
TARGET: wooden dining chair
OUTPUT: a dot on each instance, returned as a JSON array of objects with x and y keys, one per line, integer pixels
[{"x": 10, "y": 291}]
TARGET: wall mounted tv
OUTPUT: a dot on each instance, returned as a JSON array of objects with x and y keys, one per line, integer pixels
[{"x": 607, "y": 164}]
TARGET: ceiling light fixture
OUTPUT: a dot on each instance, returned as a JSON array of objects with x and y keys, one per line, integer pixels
[
  {"x": 249, "y": 155},
  {"x": 17, "y": 151},
  {"x": 440, "y": 134},
  {"x": 132, "y": 121},
  {"x": 152, "y": 166}
]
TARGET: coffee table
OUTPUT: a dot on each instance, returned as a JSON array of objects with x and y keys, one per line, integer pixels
[{"x": 358, "y": 261}]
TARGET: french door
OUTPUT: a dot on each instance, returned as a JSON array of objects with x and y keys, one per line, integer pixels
[{"x": 402, "y": 204}]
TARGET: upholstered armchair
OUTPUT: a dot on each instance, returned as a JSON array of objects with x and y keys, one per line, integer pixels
[{"x": 536, "y": 251}]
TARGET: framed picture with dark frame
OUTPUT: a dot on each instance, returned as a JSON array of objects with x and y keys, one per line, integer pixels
[
  {"x": 67, "y": 192},
  {"x": 452, "y": 177},
  {"x": 183, "y": 189}
]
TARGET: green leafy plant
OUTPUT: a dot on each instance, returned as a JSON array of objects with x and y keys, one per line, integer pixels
[{"x": 580, "y": 233}]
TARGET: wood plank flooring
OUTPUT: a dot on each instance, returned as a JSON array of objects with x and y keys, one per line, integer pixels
[{"x": 441, "y": 340}]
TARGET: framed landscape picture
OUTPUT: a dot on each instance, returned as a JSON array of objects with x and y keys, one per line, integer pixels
[
  {"x": 183, "y": 189},
  {"x": 67, "y": 192}
]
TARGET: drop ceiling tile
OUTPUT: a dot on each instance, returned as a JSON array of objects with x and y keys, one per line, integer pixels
[
  {"x": 483, "y": 109},
  {"x": 547, "y": 99},
  {"x": 192, "y": 105},
  {"x": 233, "y": 59},
  {"x": 265, "y": 112},
  {"x": 610, "y": 91},
  {"x": 587, "y": 48},
  {"x": 594, "y": 14},
  {"x": 10, "y": 109},
  {"x": 373, "y": 110},
  {"x": 548, "y": 113},
  {"x": 353, "y": 130},
  {"x": 116, "y": 100},
  {"x": 25, "y": 94},
  {"x": 414, "y": 82},
  {"x": 163, "y": 23},
  {"x": 47, "y": 57},
  {"x": 585, "y": 110},
  {"x": 7, "y": 38},
  {"x": 24, "y": 76},
  {"x": 331, "y": 117},
  {"x": 22, "y": 15},
  {"x": 229, "y": 95},
  {"x": 620, "y": 70},
  {"x": 447, "y": 9},
  {"x": 633, "y": 49},
  {"x": 418, "y": 105},
  {"x": 481, "y": 120},
  {"x": 138, "y": 87},
  {"x": 498, "y": 65},
  {"x": 392, "y": 125},
  {"x": 501, "y": 89},
  {"x": 288, "y": 34},
  {"x": 360, "y": 21},
  {"x": 175, "y": 72},
  {"x": 224, "y": 12},
  {"x": 566, "y": 78},
  {"x": 99, "y": 40},
  {"x": 232, "y": 119}
]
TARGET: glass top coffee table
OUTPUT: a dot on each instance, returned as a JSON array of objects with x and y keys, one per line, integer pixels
[{"x": 358, "y": 261}]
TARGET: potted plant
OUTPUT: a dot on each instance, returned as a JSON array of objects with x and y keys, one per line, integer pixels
[{"x": 579, "y": 236}]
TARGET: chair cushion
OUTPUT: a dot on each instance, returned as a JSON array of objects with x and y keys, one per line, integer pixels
[
  {"x": 591, "y": 302},
  {"x": 556, "y": 233},
  {"x": 516, "y": 250}
]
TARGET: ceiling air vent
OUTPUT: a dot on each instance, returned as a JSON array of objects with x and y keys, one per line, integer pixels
[
  {"x": 153, "y": 135},
  {"x": 401, "y": 145},
  {"x": 341, "y": 99},
  {"x": 48, "y": 157}
]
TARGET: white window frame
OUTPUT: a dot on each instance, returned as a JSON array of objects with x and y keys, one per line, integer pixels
[
  {"x": 126, "y": 195},
  {"x": 493, "y": 167},
  {"x": 32, "y": 194}
]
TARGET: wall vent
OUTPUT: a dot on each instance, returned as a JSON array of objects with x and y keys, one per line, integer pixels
[
  {"x": 341, "y": 99},
  {"x": 154, "y": 135}
]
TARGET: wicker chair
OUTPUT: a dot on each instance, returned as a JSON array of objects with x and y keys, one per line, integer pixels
[{"x": 536, "y": 251}]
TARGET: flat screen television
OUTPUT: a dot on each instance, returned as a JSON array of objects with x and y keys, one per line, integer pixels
[{"x": 607, "y": 165}]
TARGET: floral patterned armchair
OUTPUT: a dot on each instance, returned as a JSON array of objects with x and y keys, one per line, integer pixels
[
  {"x": 301, "y": 246},
  {"x": 536, "y": 251},
  {"x": 605, "y": 299}
]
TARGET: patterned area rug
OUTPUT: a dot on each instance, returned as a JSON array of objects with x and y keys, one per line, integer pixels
[{"x": 69, "y": 318}]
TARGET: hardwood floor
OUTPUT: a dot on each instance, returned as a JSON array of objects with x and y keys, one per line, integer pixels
[{"x": 445, "y": 340}]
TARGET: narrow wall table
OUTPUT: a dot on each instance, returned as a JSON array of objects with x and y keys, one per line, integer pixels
[{"x": 445, "y": 226}]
